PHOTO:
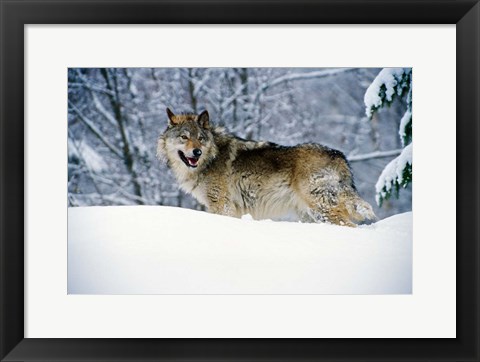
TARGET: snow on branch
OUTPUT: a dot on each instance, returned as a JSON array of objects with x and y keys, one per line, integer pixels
[
  {"x": 101, "y": 109},
  {"x": 82, "y": 150},
  {"x": 200, "y": 83},
  {"x": 95, "y": 130},
  {"x": 397, "y": 173},
  {"x": 372, "y": 155},
  {"x": 301, "y": 76},
  {"x": 89, "y": 84},
  {"x": 234, "y": 97},
  {"x": 90, "y": 87},
  {"x": 388, "y": 83},
  {"x": 405, "y": 129}
]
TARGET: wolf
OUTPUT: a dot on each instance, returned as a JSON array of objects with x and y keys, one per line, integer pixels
[{"x": 233, "y": 176}]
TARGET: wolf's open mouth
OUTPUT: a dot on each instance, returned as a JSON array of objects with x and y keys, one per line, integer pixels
[{"x": 189, "y": 161}]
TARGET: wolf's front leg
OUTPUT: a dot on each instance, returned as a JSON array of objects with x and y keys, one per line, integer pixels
[{"x": 219, "y": 201}]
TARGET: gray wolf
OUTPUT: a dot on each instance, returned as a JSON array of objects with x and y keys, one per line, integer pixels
[{"x": 232, "y": 176}]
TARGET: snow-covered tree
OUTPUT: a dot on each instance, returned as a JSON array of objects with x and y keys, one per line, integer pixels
[{"x": 391, "y": 84}]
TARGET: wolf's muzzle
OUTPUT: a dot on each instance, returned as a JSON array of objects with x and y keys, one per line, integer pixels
[{"x": 190, "y": 161}]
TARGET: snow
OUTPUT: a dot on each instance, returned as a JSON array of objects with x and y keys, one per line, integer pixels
[
  {"x": 93, "y": 160},
  {"x": 101, "y": 109},
  {"x": 393, "y": 172},
  {"x": 372, "y": 155},
  {"x": 388, "y": 77},
  {"x": 169, "y": 250},
  {"x": 406, "y": 119}
]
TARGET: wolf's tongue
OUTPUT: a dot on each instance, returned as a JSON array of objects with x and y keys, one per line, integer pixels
[{"x": 192, "y": 161}]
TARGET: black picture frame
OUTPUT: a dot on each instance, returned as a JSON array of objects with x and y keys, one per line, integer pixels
[{"x": 15, "y": 14}]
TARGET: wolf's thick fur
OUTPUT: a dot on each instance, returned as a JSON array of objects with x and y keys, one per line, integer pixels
[{"x": 232, "y": 176}]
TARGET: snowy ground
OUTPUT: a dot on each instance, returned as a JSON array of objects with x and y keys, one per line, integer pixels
[{"x": 168, "y": 250}]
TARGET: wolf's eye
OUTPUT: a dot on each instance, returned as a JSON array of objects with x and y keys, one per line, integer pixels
[
  {"x": 184, "y": 137},
  {"x": 201, "y": 138}
]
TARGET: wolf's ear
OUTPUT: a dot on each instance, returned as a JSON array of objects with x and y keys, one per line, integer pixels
[
  {"x": 203, "y": 119},
  {"x": 171, "y": 118}
]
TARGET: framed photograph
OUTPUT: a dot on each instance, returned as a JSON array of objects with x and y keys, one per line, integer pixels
[
  {"x": 252, "y": 153},
  {"x": 204, "y": 181}
]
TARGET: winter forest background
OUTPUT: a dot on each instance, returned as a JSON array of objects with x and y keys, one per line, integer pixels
[{"x": 115, "y": 116}]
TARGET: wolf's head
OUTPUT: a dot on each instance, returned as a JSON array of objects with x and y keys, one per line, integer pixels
[{"x": 187, "y": 142}]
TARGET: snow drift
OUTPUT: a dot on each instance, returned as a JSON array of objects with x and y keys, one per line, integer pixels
[{"x": 168, "y": 250}]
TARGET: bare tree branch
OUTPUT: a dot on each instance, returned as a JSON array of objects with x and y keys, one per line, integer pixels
[
  {"x": 300, "y": 76},
  {"x": 94, "y": 129},
  {"x": 101, "y": 109},
  {"x": 372, "y": 155}
]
